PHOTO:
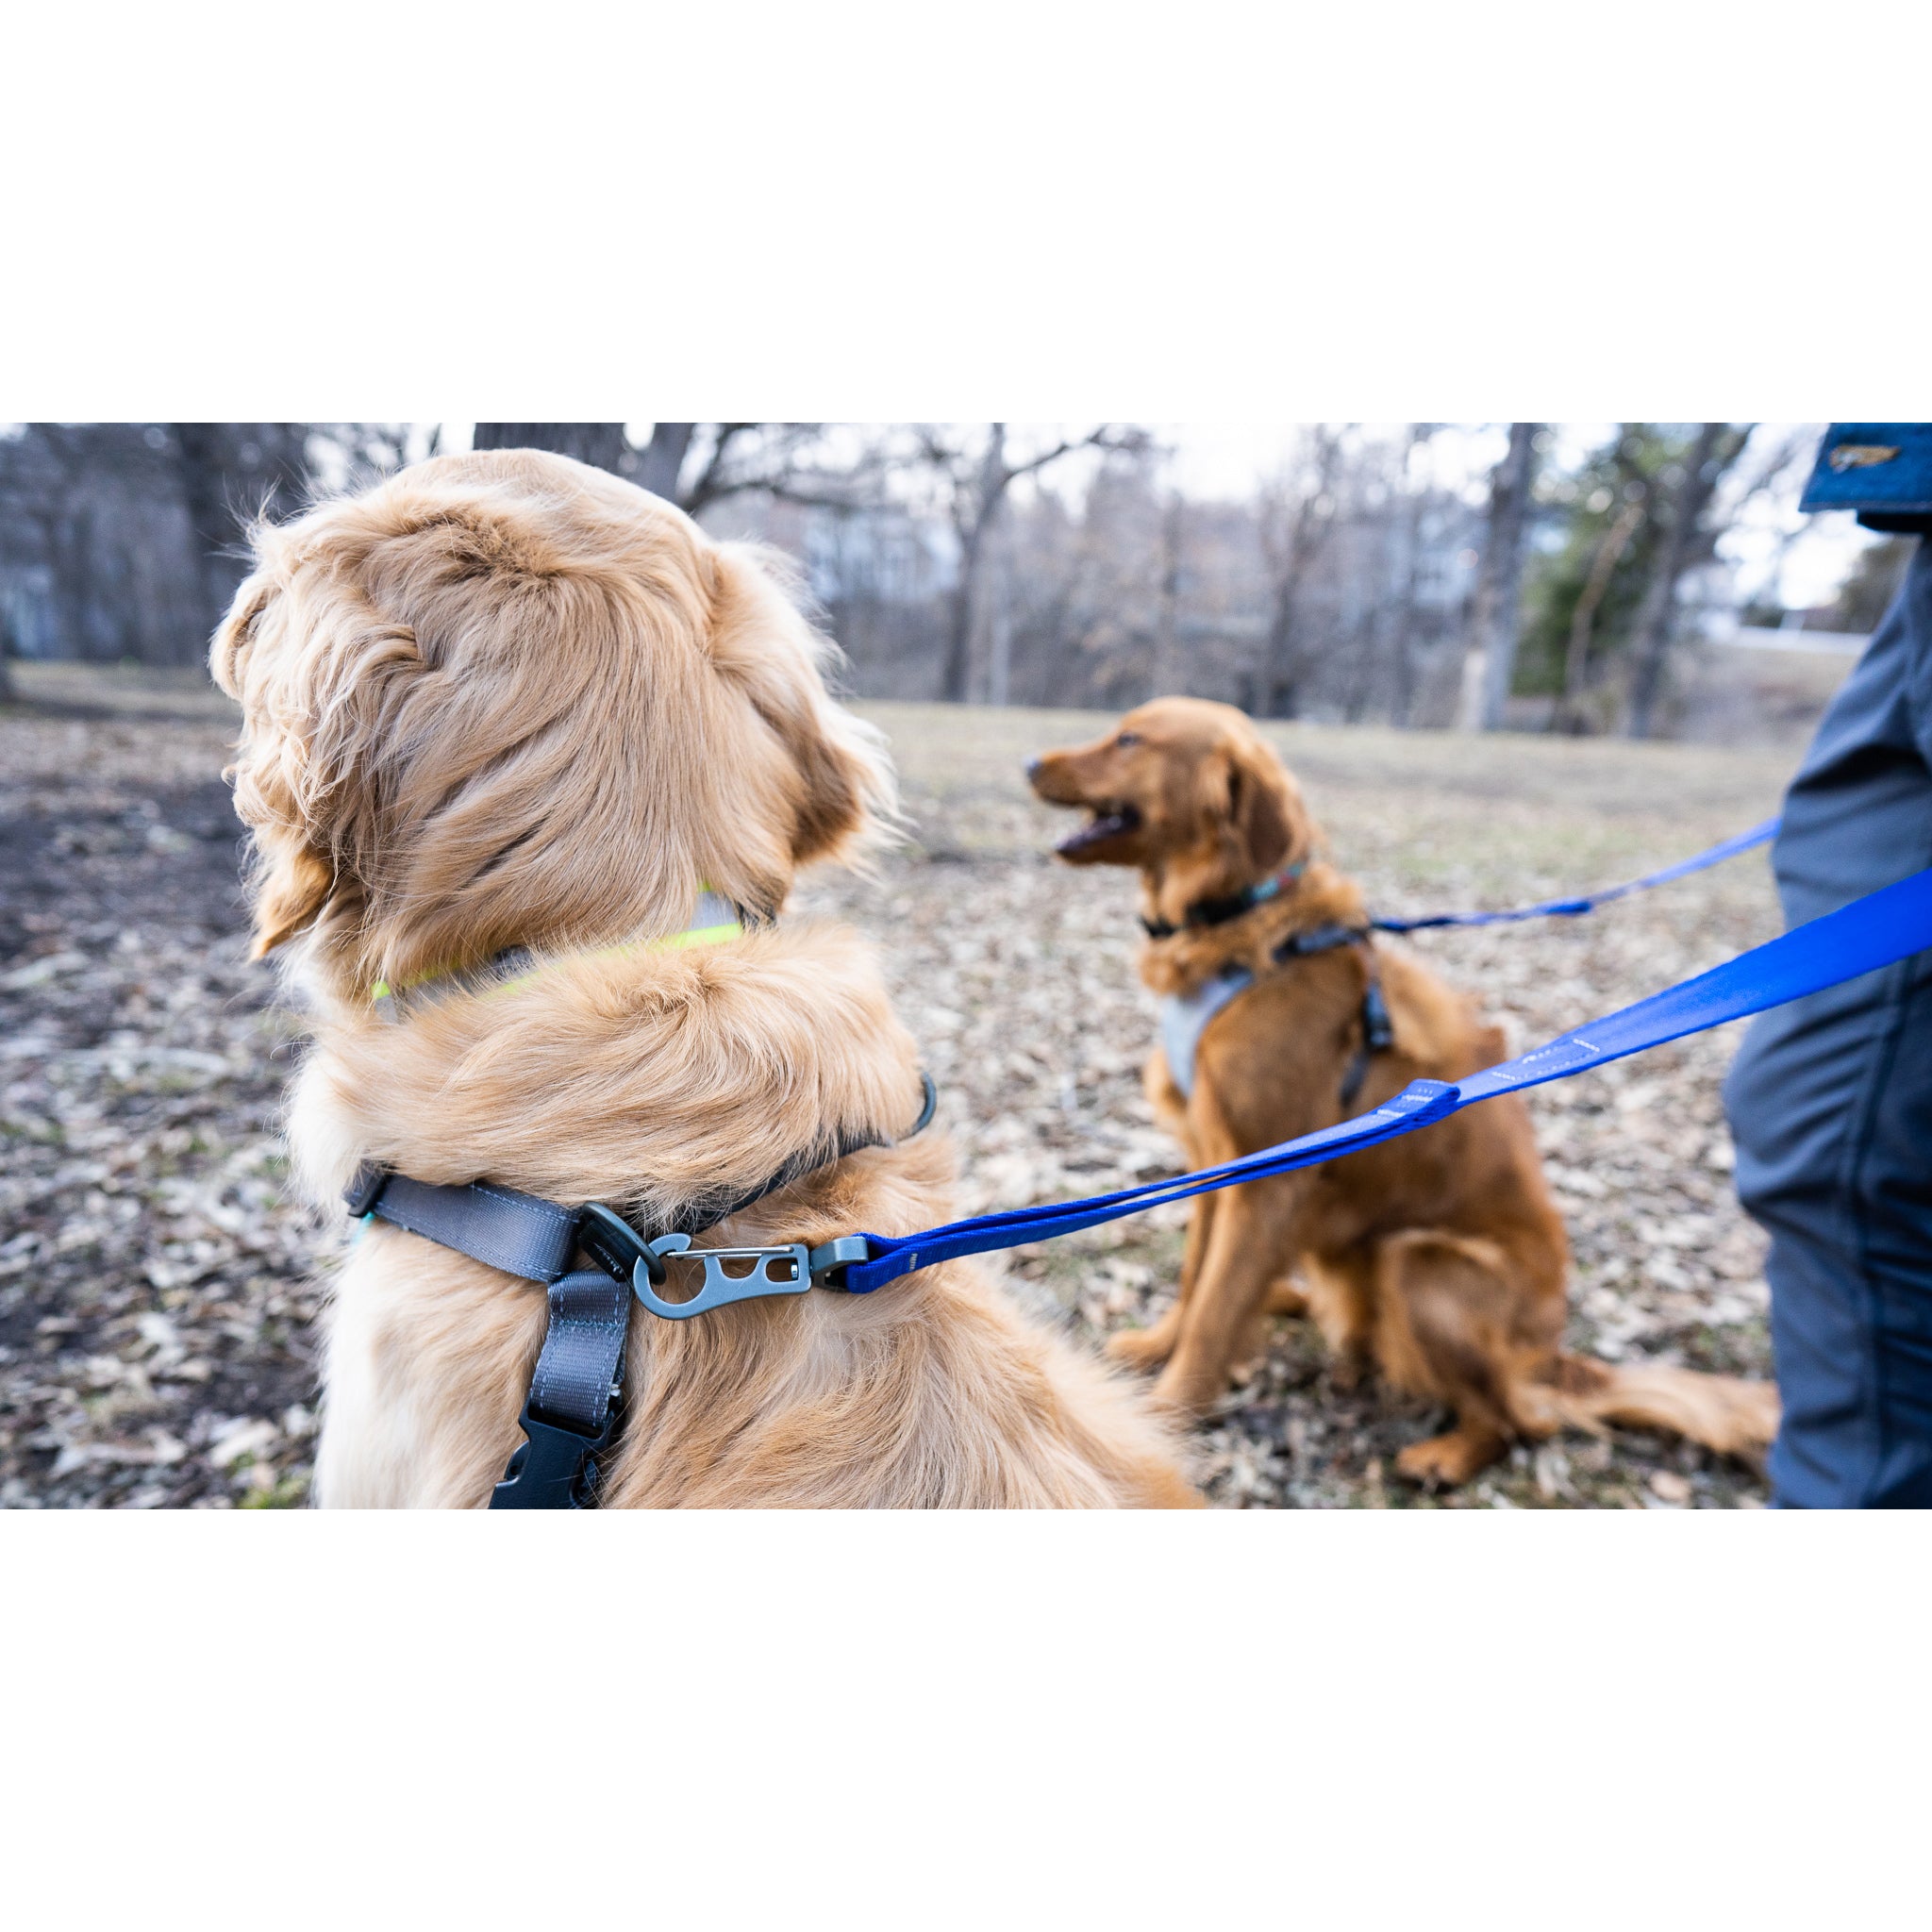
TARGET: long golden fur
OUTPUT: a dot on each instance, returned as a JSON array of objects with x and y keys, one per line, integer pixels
[
  {"x": 1439, "y": 1257},
  {"x": 508, "y": 701}
]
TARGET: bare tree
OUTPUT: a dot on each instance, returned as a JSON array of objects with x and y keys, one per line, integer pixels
[
  {"x": 125, "y": 540},
  {"x": 600, "y": 444},
  {"x": 1716, "y": 447},
  {"x": 695, "y": 465},
  {"x": 1403, "y": 653},
  {"x": 232, "y": 473},
  {"x": 659, "y": 464},
  {"x": 973, "y": 482},
  {"x": 1170, "y": 673},
  {"x": 1603, "y": 567},
  {"x": 1495, "y": 614},
  {"x": 1295, "y": 520}
]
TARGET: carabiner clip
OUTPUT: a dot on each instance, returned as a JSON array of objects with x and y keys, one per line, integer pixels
[
  {"x": 773, "y": 1271},
  {"x": 789, "y": 1270}
]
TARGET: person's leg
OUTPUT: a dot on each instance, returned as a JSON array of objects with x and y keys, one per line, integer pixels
[
  {"x": 1831, "y": 1106},
  {"x": 1832, "y": 1111}
]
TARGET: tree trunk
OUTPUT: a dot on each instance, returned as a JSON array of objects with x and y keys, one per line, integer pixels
[
  {"x": 660, "y": 462},
  {"x": 987, "y": 489},
  {"x": 1279, "y": 691},
  {"x": 998, "y": 552},
  {"x": 1657, "y": 614},
  {"x": 601, "y": 444},
  {"x": 230, "y": 474},
  {"x": 1170, "y": 678},
  {"x": 1596, "y": 587},
  {"x": 961, "y": 611},
  {"x": 1278, "y": 675},
  {"x": 1403, "y": 673},
  {"x": 1496, "y": 617},
  {"x": 208, "y": 518}
]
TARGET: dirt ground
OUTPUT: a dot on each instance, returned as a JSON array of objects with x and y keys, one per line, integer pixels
[{"x": 157, "y": 1337}]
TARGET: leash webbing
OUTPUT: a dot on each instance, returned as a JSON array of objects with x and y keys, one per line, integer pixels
[
  {"x": 1568, "y": 908},
  {"x": 1876, "y": 931}
]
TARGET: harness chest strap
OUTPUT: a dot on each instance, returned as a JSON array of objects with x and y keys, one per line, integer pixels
[{"x": 1184, "y": 1017}]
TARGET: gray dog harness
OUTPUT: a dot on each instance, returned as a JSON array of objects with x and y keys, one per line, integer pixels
[{"x": 1184, "y": 1017}]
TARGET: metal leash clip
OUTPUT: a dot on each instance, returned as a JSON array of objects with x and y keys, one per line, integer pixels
[
  {"x": 789, "y": 1270},
  {"x": 772, "y": 1271},
  {"x": 623, "y": 1253}
]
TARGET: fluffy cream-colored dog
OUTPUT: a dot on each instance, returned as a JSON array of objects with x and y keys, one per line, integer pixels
[{"x": 508, "y": 702}]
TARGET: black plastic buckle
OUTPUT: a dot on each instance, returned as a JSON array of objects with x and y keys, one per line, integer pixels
[
  {"x": 828, "y": 1263},
  {"x": 615, "y": 1245},
  {"x": 365, "y": 1190},
  {"x": 554, "y": 1468},
  {"x": 1378, "y": 1029}
]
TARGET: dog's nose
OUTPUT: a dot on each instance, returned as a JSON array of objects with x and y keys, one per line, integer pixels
[{"x": 1033, "y": 768}]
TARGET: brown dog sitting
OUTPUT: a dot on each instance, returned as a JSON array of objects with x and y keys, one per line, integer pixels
[
  {"x": 508, "y": 722},
  {"x": 1441, "y": 1255}
]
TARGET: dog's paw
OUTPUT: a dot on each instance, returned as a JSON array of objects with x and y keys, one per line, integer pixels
[
  {"x": 1445, "y": 1462},
  {"x": 1286, "y": 1298},
  {"x": 1140, "y": 1348}
]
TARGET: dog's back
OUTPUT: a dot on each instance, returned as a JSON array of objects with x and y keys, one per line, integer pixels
[{"x": 509, "y": 708}]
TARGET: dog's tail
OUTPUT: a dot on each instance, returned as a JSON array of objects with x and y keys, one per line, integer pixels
[{"x": 1727, "y": 1413}]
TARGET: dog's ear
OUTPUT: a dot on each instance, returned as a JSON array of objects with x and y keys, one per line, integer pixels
[
  {"x": 1255, "y": 802},
  {"x": 290, "y": 879},
  {"x": 843, "y": 796},
  {"x": 293, "y": 884},
  {"x": 227, "y": 654},
  {"x": 309, "y": 681}
]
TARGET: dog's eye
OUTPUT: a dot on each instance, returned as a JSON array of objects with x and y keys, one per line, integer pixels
[{"x": 1126, "y": 738}]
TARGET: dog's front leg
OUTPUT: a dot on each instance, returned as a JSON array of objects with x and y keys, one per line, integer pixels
[
  {"x": 1247, "y": 1245},
  {"x": 1146, "y": 1348}
]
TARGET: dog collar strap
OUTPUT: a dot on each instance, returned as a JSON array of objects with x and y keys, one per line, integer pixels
[
  {"x": 1219, "y": 911},
  {"x": 715, "y": 921}
]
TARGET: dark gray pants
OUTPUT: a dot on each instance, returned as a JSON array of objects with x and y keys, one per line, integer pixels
[{"x": 1830, "y": 1103}]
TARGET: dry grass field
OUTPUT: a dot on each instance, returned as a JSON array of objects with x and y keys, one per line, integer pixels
[{"x": 157, "y": 1303}]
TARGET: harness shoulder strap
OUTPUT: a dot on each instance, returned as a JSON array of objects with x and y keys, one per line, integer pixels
[{"x": 1378, "y": 1028}]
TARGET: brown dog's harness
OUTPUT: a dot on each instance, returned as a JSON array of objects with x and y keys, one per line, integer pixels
[{"x": 1184, "y": 1017}]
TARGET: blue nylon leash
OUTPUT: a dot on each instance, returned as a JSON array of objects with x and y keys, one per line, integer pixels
[
  {"x": 1568, "y": 908},
  {"x": 1876, "y": 931}
]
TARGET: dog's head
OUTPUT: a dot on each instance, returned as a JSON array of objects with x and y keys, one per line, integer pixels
[
  {"x": 507, "y": 699},
  {"x": 1187, "y": 790}
]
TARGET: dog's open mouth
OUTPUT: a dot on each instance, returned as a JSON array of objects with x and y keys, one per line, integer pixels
[{"x": 1109, "y": 821}]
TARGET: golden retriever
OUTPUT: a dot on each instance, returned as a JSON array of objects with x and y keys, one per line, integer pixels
[
  {"x": 507, "y": 701},
  {"x": 1439, "y": 1257}
]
